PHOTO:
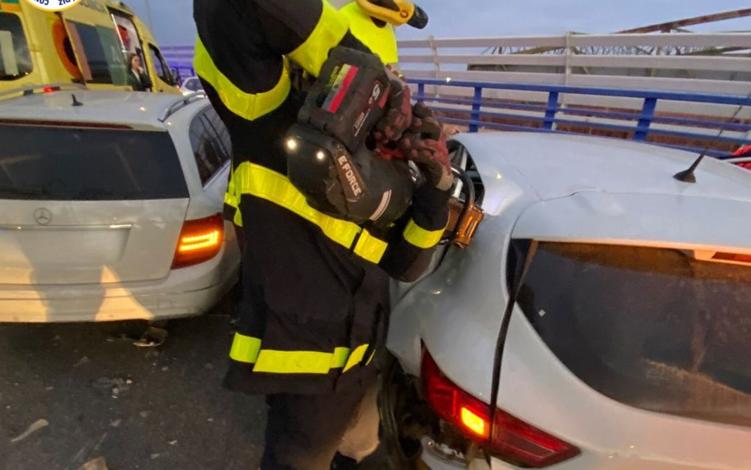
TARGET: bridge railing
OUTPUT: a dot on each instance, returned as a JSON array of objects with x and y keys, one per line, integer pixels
[
  {"x": 180, "y": 60},
  {"x": 473, "y": 105},
  {"x": 687, "y": 62},
  {"x": 679, "y": 112}
]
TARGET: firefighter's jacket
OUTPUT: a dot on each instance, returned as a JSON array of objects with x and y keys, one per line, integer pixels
[{"x": 315, "y": 287}]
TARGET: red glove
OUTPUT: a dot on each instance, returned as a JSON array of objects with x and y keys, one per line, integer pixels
[
  {"x": 398, "y": 114},
  {"x": 425, "y": 144}
]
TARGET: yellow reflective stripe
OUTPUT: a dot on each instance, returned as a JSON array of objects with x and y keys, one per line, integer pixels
[
  {"x": 232, "y": 199},
  {"x": 420, "y": 237},
  {"x": 294, "y": 362},
  {"x": 356, "y": 357},
  {"x": 381, "y": 40},
  {"x": 248, "y": 106},
  {"x": 327, "y": 34},
  {"x": 264, "y": 183},
  {"x": 245, "y": 349},
  {"x": 340, "y": 358},
  {"x": 238, "y": 218},
  {"x": 370, "y": 248}
]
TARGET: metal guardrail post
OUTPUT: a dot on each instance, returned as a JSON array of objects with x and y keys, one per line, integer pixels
[
  {"x": 550, "y": 111},
  {"x": 476, "y": 105},
  {"x": 645, "y": 120}
]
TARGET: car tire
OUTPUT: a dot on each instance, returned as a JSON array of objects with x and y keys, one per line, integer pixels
[{"x": 398, "y": 394}]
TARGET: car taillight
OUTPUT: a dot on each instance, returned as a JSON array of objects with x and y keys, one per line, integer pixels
[
  {"x": 513, "y": 440},
  {"x": 200, "y": 240},
  {"x": 733, "y": 257}
]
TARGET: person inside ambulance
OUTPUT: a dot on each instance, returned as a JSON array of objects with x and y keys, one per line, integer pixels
[{"x": 315, "y": 284}]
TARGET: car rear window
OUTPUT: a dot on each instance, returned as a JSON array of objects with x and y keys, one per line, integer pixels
[
  {"x": 15, "y": 59},
  {"x": 67, "y": 163},
  {"x": 653, "y": 328}
]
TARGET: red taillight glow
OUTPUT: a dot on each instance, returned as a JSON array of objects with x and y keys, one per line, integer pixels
[
  {"x": 734, "y": 257},
  {"x": 513, "y": 440},
  {"x": 200, "y": 240},
  {"x": 50, "y": 89}
]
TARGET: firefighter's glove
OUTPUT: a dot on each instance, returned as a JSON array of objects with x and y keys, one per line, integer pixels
[
  {"x": 425, "y": 144},
  {"x": 398, "y": 113}
]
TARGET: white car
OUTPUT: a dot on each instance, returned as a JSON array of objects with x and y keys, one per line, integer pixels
[
  {"x": 110, "y": 206},
  {"x": 191, "y": 85},
  {"x": 628, "y": 341}
]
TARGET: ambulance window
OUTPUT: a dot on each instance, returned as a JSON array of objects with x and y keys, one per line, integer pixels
[
  {"x": 15, "y": 60},
  {"x": 162, "y": 69},
  {"x": 100, "y": 49}
]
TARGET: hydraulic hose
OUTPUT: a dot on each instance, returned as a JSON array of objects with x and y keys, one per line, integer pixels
[{"x": 514, "y": 288}]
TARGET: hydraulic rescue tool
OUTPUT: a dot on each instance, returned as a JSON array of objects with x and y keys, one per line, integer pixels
[
  {"x": 334, "y": 161},
  {"x": 329, "y": 160}
]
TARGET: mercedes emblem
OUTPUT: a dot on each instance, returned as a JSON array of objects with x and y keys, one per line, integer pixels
[{"x": 43, "y": 216}]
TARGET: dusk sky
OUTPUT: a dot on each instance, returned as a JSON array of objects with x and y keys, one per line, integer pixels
[{"x": 173, "y": 21}]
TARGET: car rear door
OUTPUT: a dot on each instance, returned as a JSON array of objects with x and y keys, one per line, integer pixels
[
  {"x": 82, "y": 205},
  {"x": 635, "y": 354}
]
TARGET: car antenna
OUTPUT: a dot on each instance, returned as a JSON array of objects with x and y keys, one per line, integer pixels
[
  {"x": 75, "y": 101},
  {"x": 689, "y": 175}
]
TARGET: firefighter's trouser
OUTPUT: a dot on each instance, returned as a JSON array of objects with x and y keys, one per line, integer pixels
[{"x": 304, "y": 432}]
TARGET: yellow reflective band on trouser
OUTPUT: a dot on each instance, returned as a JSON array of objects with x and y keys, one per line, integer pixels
[
  {"x": 232, "y": 199},
  {"x": 267, "y": 184},
  {"x": 327, "y": 34},
  {"x": 357, "y": 357},
  {"x": 420, "y": 237},
  {"x": 247, "y": 350},
  {"x": 248, "y": 106}
]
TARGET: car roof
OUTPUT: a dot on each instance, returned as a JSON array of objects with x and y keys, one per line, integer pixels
[
  {"x": 600, "y": 190},
  {"x": 557, "y": 165},
  {"x": 136, "y": 109}
]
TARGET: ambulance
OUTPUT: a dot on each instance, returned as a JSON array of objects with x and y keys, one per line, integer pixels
[{"x": 87, "y": 44}]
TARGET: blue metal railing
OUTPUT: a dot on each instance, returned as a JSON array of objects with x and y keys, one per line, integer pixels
[
  {"x": 180, "y": 60},
  {"x": 478, "y": 112}
]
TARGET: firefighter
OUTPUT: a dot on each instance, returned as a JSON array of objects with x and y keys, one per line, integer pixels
[{"x": 315, "y": 287}]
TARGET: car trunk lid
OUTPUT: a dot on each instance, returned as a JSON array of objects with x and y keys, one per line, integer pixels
[
  {"x": 88, "y": 205},
  {"x": 53, "y": 242}
]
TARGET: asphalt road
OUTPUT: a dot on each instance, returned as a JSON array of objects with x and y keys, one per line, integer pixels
[{"x": 72, "y": 393}]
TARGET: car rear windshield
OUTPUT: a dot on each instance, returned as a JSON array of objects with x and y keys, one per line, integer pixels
[
  {"x": 15, "y": 59},
  {"x": 652, "y": 328},
  {"x": 68, "y": 163}
]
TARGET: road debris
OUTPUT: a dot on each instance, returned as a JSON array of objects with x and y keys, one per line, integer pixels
[
  {"x": 35, "y": 426},
  {"x": 98, "y": 463},
  {"x": 116, "y": 423},
  {"x": 84, "y": 360},
  {"x": 116, "y": 386},
  {"x": 153, "y": 337}
]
